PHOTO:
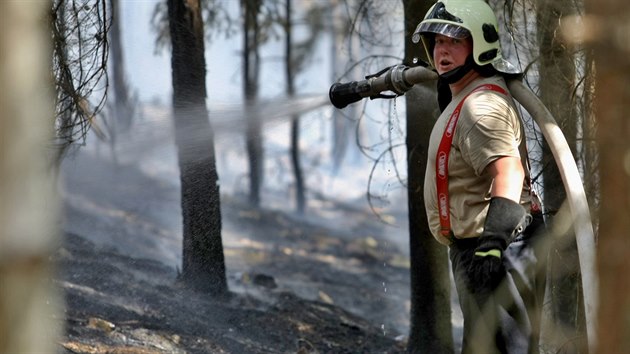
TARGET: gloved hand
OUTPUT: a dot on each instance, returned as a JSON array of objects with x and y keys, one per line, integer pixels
[{"x": 505, "y": 220}]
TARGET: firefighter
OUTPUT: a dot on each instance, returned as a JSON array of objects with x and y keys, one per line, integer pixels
[{"x": 477, "y": 191}]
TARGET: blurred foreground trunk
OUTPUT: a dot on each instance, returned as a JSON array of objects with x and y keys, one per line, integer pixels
[
  {"x": 608, "y": 24},
  {"x": 29, "y": 303}
]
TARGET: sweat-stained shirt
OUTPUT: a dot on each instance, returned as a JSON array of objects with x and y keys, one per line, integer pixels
[{"x": 489, "y": 127}]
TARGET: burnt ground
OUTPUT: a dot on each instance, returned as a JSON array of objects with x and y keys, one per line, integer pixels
[
  {"x": 117, "y": 304},
  {"x": 334, "y": 281}
]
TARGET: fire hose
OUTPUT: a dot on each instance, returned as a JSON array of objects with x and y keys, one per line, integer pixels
[{"x": 400, "y": 78}]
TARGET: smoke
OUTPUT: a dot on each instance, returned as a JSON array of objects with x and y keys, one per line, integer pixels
[{"x": 228, "y": 121}]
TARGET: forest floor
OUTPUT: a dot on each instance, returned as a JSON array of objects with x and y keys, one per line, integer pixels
[{"x": 335, "y": 281}]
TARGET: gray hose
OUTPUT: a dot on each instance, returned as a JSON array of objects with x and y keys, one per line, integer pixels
[{"x": 576, "y": 198}]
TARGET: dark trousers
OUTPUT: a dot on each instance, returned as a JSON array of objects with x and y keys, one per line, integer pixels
[{"x": 506, "y": 320}]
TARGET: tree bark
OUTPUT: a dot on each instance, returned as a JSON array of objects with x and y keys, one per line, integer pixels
[
  {"x": 430, "y": 320},
  {"x": 30, "y": 306},
  {"x": 203, "y": 260}
]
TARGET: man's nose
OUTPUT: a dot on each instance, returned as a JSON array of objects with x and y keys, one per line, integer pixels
[{"x": 443, "y": 49}]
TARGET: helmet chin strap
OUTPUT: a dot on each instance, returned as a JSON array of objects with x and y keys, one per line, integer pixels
[{"x": 452, "y": 76}]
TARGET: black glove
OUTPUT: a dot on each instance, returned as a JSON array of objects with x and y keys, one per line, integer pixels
[{"x": 504, "y": 221}]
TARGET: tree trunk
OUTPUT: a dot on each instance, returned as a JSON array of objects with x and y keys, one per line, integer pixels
[
  {"x": 30, "y": 306},
  {"x": 203, "y": 260},
  {"x": 343, "y": 124},
  {"x": 251, "y": 67},
  {"x": 300, "y": 193},
  {"x": 430, "y": 322},
  {"x": 557, "y": 84},
  {"x": 123, "y": 108},
  {"x": 612, "y": 106}
]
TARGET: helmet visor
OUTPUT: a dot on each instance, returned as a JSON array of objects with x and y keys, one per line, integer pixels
[{"x": 446, "y": 29}]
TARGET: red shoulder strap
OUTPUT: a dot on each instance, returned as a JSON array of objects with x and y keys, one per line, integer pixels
[{"x": 441, "y": 160}]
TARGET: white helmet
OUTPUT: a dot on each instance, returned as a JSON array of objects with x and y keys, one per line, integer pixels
[{"x": 460, "y": 19}]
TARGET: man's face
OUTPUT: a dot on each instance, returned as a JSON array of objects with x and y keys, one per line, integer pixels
[{"x": 449, "y": 53}]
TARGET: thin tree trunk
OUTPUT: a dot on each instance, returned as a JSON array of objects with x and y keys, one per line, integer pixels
[
  {"x": 203, "y": 260},
  {"x": 30, "y": 307},
  {"x": 300, "y": 189},
  {"x": 430, "y": 323},
  {"x": 300, "y": 198},
  {"x": 343, "y": 124},
  {"x": 123, "y": 107},
  {"x": 251, "y": 67}
]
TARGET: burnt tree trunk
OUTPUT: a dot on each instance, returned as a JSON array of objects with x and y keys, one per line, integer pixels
[{"x": 203, "y": 260}]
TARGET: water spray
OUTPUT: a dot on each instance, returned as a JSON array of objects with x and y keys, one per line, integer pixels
[{"x": 400, "y": 79}]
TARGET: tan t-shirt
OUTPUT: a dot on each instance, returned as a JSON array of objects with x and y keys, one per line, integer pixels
[{"x": 489, "y": 127}]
